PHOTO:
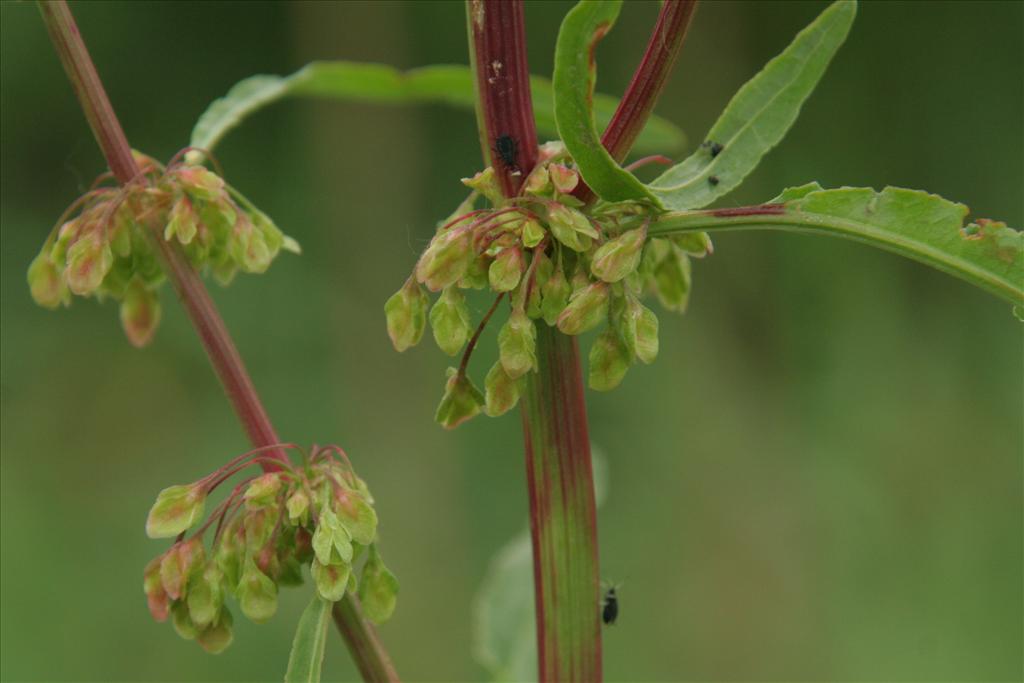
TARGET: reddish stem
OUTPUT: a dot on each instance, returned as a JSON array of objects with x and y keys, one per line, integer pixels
[
  {"x": 638, "y": 102},
  {"x": 562, "y": 511},
  {"x": 359, "y": 635},
  {"x": 505, "y": 110}
]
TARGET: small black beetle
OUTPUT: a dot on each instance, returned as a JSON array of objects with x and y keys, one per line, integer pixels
[
  {"x": 507, "y": 149},
  {"x": 713, "y": 179},
  {"x": 610, "y": 609}
]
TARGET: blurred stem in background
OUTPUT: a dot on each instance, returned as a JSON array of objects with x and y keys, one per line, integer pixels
[{"x": 359, "y": 635}]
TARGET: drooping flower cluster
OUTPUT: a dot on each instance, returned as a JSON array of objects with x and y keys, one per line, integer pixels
[
  {"x": 557, "y": 260},
  {"x": 263, "y": 532},
  {"x": 102, "y": 245}
]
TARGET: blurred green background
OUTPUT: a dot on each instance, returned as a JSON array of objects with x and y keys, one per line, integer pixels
[{"x": 820, "y": 478}]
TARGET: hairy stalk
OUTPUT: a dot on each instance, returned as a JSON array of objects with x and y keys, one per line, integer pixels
[
  {"x": 648, "y": 81},
  {"x": 563, "y": 515},
  {"x": 359, "y": 635}
]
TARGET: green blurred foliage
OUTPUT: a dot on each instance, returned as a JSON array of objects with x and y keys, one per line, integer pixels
[{"x": 825, "y": 461}]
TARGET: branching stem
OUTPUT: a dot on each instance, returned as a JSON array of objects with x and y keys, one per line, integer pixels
[{"x": 359, "y": 634}]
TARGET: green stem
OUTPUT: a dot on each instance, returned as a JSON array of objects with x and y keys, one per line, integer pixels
[
  {"x": 360, "y": 636},
  {"x": 563, "y": 513},
  {"x": 363, "y": 643},
  {"x": 778, "y": 217},
  {"x": 563, "y": 516}
]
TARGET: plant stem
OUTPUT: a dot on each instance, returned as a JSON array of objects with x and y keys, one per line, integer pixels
[
  {"x": 360, "y": 636},
  {"x": 363, "y": 643},
  {"x": 648, "y": 81},
  {"x": 504, "y": 109},
  {"x": 563, "y": 515}
]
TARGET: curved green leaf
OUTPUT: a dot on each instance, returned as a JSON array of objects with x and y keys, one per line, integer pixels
[
  {"x": 918, "y": 225},
  {"x": 758, "y": 116},
  {"x": 307, "y": 657},
  {"x": 574, "y": 77},
  {"x": 382, "y": 84}
]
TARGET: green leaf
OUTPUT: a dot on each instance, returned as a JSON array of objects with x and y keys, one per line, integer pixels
[
  {"x": 382, "y": 84},
  {"x": 574, "y": 76},
  {"x": 307, "y": 656},
  {"x": 915, "y": 224},
  {"x": 758, "y": 116}
]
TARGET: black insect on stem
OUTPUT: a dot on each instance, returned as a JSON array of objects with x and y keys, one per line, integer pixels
[
  {"x": 713, "y": 179},
  {"x": 507, "y": 149},
  {"x": 610, "y": 609}
]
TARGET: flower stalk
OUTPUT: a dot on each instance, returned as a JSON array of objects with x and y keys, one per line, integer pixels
[{"x": 360, "y": 636}]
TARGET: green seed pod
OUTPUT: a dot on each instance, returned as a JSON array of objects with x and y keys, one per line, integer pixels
[
  {"x": 543, "y": 269},
  {"x": 201, "y": 183},
  {"x": 694, "y": 243},
  {"x": 156, "y": 597},
  {"x": 332, "y": 542},
  {"x": 298, "y": 507},
  {"x": 216, "y": 637},
  {"x": 449, "y": 320},
  {"x": 378, "y": 589},
  {"x": 671, "y": 278},
  {"x": 586, "y": 309},
  {"x": 331, "y": 580},
  {"x": 486, "y": 183},
  {"x": 506, "y": 270},
  {"x": 182, "y": 621},
  {"x": 356, "y": 516},
  {"x": 263, "y": 489},
  {"x": 182, "y": 222},
  {"x": 177, "y": 508},
  {"x": 179, "y": 565},
  {"x": 475, "y": 276},
  {"x": 646, "y": 335},
  {"x": 533, "y": 233},
  {"x": 563, "y": 178},
  {"x": 570, "y": 227},
  {"x": 538, "y": 182},
  {"x": 89, "y": 261},
  {"x": 617, "y": 258},
  {"x": 446, "y": 260},
  {"x": 249, "y": 246},
  {"x": 406, "y": 313},
  {"x": 501, "y": 391},
  {"x": 257, "y": 594},
  {"x": 517, "y": 344},
  {"x": 45, "y": 283},
  {"x": 140, "y": 312},
  {"x": 206, "y": 596},
  {"x": 461, "y": 401},
  {"x": 609, "y": 361},
  {"x": 554, "y": 296}
]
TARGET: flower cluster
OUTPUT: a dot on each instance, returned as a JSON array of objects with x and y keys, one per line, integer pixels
[
  {"x": 319, "y": 513},
  {"x": 102, "y": 245},
  {"x": 570, "y": 265}
]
